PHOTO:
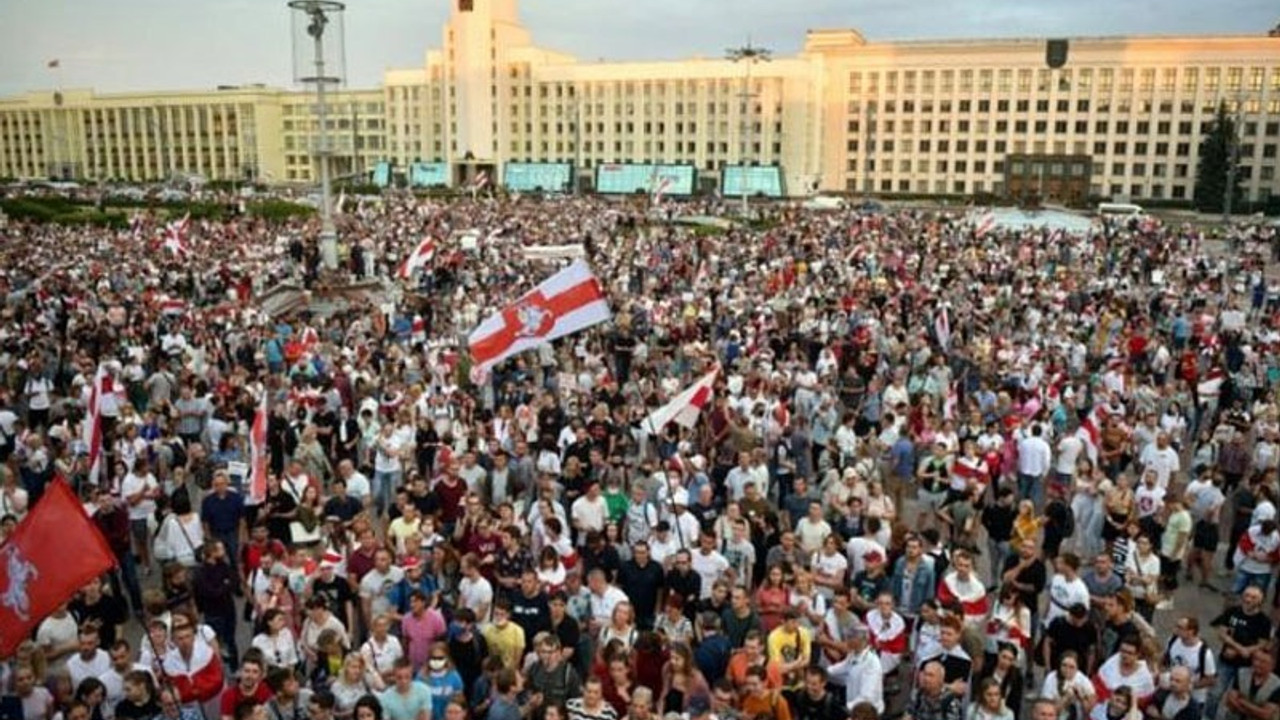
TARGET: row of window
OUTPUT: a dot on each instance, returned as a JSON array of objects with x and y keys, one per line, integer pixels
[
  {"x": 1080, "y": 127},
  {"x": 1148, "y": 79},
  {"x": 1252, "y": 106}
]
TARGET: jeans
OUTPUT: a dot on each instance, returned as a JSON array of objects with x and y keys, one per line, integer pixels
[
  {"x": 128, "y": 575},
  {"x": 997, "y": 551},
  {"x": 1226, "y": 680},
  {"x": 1031, "y": 488},
  {"x": 384, "y": 489},
  {"x": 225, "y": 628},
  {"x": 1262, "y": 581}
]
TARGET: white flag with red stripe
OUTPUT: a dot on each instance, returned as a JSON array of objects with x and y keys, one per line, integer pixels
[
  {"x": 481, "y": 181},
  {"x": 92, "y": 432},
  {"x": 569, "y": 301},
  {"x": 421, "y": 257},
  {"x": 942, "y": 327},
  {"x": 986, "y": 222},
  {"x": 175, "y": 236},
  {"x": 660, "y": 189},
  {"x": 258, "y": 453},
  {"x": 684, "y": 408}
]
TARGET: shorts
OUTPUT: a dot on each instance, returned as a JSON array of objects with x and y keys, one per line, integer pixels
[
  {"x": 1205, "y": 536},
  {"x": 140, "y": 531},
  {"x": 930, "y": 501}
]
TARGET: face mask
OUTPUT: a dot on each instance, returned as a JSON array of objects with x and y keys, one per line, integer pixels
[{"x": 436, "y": 663}]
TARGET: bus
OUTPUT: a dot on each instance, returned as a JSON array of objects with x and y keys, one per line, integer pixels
[{"x": 1119, "y": 210}]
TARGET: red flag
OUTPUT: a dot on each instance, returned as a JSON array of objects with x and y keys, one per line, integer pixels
[
  {"x": 52, "y": 553},
  {"x": 258, "y": 453}
]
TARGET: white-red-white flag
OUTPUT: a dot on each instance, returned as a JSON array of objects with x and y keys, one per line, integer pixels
[
  {"x": 569, "y": 301},
  {"x": 684, "y": 408},
  {"x": 481, "y": 181},
  {"x": 175, "y": 236},
  {"x": 952, "y": 401},
  {"x": 258, "y": 453},
  {"x": 421, "y": 257},
  {"x": 986, "y": 222},
  {"x": 942, "y": 327},
  {"x": 660, "y": 189},
  {"x": 92, "y": 431}
]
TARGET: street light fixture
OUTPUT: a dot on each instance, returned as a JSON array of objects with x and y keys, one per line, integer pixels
[
  {"x": 748, "y": 55},
  {"x": 312, "y": 18}
]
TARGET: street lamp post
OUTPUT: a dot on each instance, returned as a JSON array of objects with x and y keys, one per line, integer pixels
[
  {"x": 1233, "y": 159},
  {"x": 315, "y": 16},
  {"x": 748, "y": 55}
]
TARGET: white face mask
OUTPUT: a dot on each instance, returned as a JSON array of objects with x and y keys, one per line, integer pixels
[{"x": 436, "y": 663}]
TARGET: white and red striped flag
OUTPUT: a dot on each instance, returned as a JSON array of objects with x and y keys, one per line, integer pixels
[
  {"x": 258, "y": 453},
  {"x": 569, "y": 301},
  {"x": 419, "y": 258},
  {"x": 951, "y": 402},
  {"x": 684, "y": 408},
  {"x": 986, "y": 221},
  {"x": 102, "y": 385},
  {"x": 660, "y": 189},
  {"x": 942, "y": 327},
  {"x": 481, "y": 181},
  {"x": 175, "y": 236}
]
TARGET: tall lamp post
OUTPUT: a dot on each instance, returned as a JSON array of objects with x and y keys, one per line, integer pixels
[
  {"x": 1233, "y": 159},
  {"x": 311, "y": 19},
  {"x": 748, "y": 55}
]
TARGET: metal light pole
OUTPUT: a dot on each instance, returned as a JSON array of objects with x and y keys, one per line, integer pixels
[
  {"x": 313, "y": 17},
  {"x": 748, "y": 55},
  {"x": 1233, "y": 159}
]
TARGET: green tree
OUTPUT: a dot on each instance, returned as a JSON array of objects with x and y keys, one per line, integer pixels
[{"x": 1217, "y": 149}]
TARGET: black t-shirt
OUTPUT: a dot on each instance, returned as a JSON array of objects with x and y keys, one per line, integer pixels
[
  {"x": 567, "y": 632},
  {"x": 345, "y": 507},
  {"x": 109, "y": 612},
  {"x": 998, "y": 521},
  {"x": 869, "y": 588},
  {"x": 531, "y": 614},
  {"x": 1245, "y": 629},
  {"x": 642, "y": 585},
  {"x": 336, "y": 593},
  {"x": 1065, "y": 636},
  {"x": 1033, "y": 575},
  {"x": 828, "y": 707},
  {"x": 128, "y": 710}
]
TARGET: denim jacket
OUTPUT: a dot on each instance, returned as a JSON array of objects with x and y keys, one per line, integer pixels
[{"x": 923, "y": 586}]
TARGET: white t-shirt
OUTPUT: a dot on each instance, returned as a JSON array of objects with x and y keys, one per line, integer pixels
[
  {"x": 710, "y": 567},
  {"x": 38, "y": 389},
  {"x": 94, "y": 667},
  {"x": 381, "y": 656},
  {"x": 1165, "y": 462},
  {"x": 811, "y": 534},
  {"x": 1188, "y": 656},
  {"x": 1063, "y": 594},
  {"x": 55, "y": 632},
  {"x": 602, "y": 605},
  {"x": 1149, "y": 500},
  {"x": 358, "y": 486},
  {"x": 374, "y": 586},
  {"x": 131, "y": 485},
  {"x": 478, "y": 595},
  {"x": 1069, "y": 448},
  {"x": 589, "y": 514}
]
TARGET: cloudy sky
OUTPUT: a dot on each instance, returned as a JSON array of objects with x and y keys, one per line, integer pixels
[{"x": 114, "y": 45}]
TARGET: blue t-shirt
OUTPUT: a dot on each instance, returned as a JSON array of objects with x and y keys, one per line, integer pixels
[
  {"x": 442, "y": 687},
  {"x": 406, "y": 707}
]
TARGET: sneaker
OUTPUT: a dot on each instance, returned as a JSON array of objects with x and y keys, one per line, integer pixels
[
  {"x": 1209, "y": 586},
  {"x": 1166, "y": 604}
]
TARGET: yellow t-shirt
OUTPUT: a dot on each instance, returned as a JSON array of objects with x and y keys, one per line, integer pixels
[
  {"x": 506, "y": 642},
  {"x": 786, "y": 646}
]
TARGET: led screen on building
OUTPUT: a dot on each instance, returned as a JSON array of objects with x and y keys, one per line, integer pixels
[
  {"x": 530, "y": 177},
  {"x": 754, "y": 181},
  {"x": 628, "y": 179},
  {"x": 428, "y": 174}
]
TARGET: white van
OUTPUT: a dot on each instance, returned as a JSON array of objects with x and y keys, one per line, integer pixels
[{"x": 1119, "y": 210}]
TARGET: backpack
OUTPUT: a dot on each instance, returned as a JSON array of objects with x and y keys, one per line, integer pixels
[{"x": 1203, "y": 655}]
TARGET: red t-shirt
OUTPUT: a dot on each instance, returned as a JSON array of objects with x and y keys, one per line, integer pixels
[{"x": 233, "y": 696}]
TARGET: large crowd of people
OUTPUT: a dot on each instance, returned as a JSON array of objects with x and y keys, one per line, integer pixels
[{"x": 948, "y": 471}]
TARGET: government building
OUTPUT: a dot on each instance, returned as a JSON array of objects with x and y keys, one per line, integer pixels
[{"x": 1096, "y": 117}]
